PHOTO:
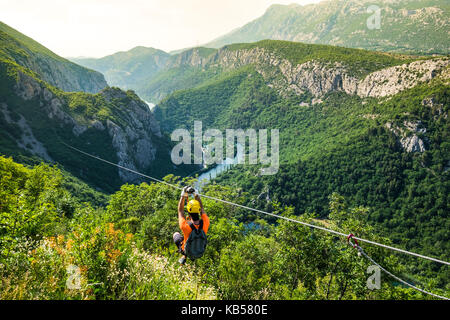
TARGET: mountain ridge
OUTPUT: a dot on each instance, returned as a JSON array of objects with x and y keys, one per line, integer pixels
[
  {"x": 193, "y": 66},
  {"x": 418, "y": 29},
  {"x": 49, "y": 66},
  {"x": 36, "y": 115},
  {"x": 127, "y": 69}
]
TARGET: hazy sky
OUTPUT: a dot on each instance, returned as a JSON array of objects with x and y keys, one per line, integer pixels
[{"x": 96, "y": 28}]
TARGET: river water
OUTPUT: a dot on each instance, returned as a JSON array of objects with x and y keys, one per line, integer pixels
[
  {"x": 207, "y": 176},
  {"x": 150, "y": 105}
]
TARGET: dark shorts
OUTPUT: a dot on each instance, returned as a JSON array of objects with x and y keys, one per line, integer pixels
[{"x": 178, "y": 240}]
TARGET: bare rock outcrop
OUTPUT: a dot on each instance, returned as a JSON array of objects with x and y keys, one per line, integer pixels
[
  {"x": 392, "y": 80},
  {"x": 320, "y": 78},
  {"x": 27, "y": 139},
  {"x": 131, "y": 138},
  {"x": 408, "y": 135}
]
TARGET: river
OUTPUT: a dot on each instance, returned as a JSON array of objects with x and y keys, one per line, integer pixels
[
  {"x": 150, "y": 105},
  {"x": 207, "y": 176}
]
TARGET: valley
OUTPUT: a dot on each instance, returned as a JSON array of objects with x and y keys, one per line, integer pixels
[{"x": 364, "y": 146}]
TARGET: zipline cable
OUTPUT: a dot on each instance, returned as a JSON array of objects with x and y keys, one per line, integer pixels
[
  {"x": 291, "y": 220},
  {"x": 261, "y": 211},
  {"x": 397, "y": 278}
]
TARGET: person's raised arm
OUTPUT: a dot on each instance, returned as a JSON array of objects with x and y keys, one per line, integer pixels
[
  {"x": 197, "y": 197},
  {"x": 181, "y": 203}
]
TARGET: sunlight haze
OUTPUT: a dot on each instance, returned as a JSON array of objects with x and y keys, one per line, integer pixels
[{"x": 98, "y": 28}]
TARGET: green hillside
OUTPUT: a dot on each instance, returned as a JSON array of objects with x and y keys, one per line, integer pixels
[
  {"x": 359, "y": 62},
  {"x": 36, "y": 118},
  {"x": 409, "y": 26},
  {"x": 191, "y": 69},
  {"x": 343, "y": 143},
  {"x": 50, "y": 67},
  {"x": 128, "y": 69},
  {"x": 124, "y": 250}
]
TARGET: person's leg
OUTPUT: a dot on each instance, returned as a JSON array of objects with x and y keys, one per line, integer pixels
[
  {"x": 182, "y": 260},
  {"x": 178, "y": 240}
]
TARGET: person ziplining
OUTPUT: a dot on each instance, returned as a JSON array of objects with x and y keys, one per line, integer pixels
[{"x": 192, "y": 243}]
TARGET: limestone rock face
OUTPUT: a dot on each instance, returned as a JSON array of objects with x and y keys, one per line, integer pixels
[
  {"x": 27, "y": 140},
  {"x": 64, "y": 74},
  {"x": 71, "y": 77},
  {"x": 191, "y": 57},
  {"x": 436, "y": 107},
  {"x": 134, "y": 149},
  {"x": 28, "y": 88},
  {"x": 134, "y": 145},
  {"x": 392, "y": 80},
  {"x": 320, "y": 78},
  {"x": 285, "y": 77},
  {"x": 132, "y": 138},
  {"x": 408, "y": 135},
  {"x": 412, "y": 144}
]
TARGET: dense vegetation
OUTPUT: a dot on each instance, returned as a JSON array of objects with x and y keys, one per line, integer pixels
[
  {"x": 340, "y": 145},
  {"x": 125, "y": 250},
  {"x": 84, "y": 109},
  {"x": 50, "y": 67},
  {"x": 409, "y": 26}
]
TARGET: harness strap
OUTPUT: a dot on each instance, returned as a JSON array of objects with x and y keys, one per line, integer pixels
[{"x": 200, "y": 226}]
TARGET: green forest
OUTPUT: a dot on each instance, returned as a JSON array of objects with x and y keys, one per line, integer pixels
[
  {"x": 122, "y": 248},
  {"x": 90, "y": 190},
  {"x": 336, "y": 147}
]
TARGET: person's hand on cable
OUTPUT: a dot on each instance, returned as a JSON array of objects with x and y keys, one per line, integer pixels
[
  {"x": 191, "y": 190},
  {"x": 184, "y": 192}
]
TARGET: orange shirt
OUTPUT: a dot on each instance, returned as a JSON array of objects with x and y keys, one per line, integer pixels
[{"x": 184, "y": 226}]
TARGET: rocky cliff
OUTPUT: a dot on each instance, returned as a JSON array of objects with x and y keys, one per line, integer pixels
[
  {"x": 119, "y": 126},
  {"x": 50, "y": 67},
  {"x": 322, "y": 77},
  {"x": 67, "y": 76},
  {"x": 317, "y": 76}
]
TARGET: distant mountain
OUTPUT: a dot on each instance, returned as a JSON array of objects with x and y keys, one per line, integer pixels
[
  {"x": 181, "y": 71},
  {"x": 198, "y": 66},
  {"x": 409, "y": 26},
  {"x": 37, "y": 115},
  {"x": 150, "y": 72},
  {"x": 372, "y": 126},
  {"x": 50, "y": 67},
  {"x": 128, "y": 69},
  {"x": 406, "y": 26}
]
